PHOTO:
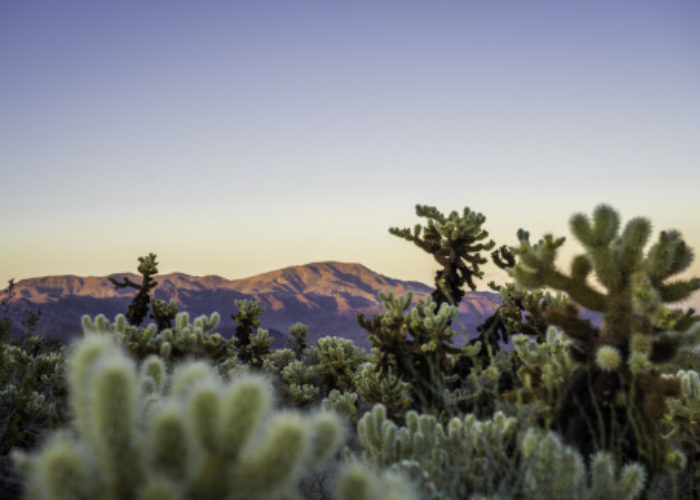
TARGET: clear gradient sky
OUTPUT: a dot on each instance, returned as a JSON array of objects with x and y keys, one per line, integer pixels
[{"x": 234, "y": 138}]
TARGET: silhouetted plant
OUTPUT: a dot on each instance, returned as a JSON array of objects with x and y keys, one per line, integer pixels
[
  {"x": 138, "y": 309},
  {"x": 298, "y": 332},
  {"x": 455, "y": 242},
  {"x": 248, "y": 319}
]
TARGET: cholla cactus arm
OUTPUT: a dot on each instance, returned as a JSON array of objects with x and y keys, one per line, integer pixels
[
  {"x": 551, "y": 469},
  {"x": 79, "y": 368},
  {"x": 266, "y": 471},
  {"x": 605, "y": 482},
  {"x": 303, "y": 394},
  {"x": 327, "y": 436},
  {"x": 536, "y": 269},
  {"x": 60, "y": 470},
  {"x": 455, "y": 242},
  {"x": 244, "y": 405},
  {"x": 345, "y": 403},
  {"x": 169, "y": 443}
]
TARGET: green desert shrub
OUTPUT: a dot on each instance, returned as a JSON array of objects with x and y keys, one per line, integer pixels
[{"x": 32, "y": 393}]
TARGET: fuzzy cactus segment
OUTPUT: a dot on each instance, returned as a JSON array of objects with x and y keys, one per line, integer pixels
[{"x": 139, "y": 433}]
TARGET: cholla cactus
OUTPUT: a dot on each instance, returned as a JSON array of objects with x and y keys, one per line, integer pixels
[
  {"x": 300, "y": 379},
  {"x": 248, "y": 321},
  {"x": 455, "y": 242},
  {"x": 619, "y": 379},
  {"x": 465, "y": 456},
  {"x": 551, "y": 470},
  {"x": 546, "y": 366},
  {"x": 298, "y": 332},
  {"x": 416, "y": 345},
  {"x": 185, "y": 339},
  {"x": 386, "y": 389},
  {"x": 259, "y": 347},
  {"x": 328, "y": 366},
  {"x": 344, "y": 403},
  {"x": 338, "y": 359},
  {"x": 136, "y": 435},
  {"x": 522, "y": 312},
  {"x": 138, "y": 309}
]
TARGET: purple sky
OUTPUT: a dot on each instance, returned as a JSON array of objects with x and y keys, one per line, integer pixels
[{"x": 234, "y": 138}]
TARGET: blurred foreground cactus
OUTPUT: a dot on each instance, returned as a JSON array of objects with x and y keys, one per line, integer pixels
[{"x": 138, "y": 433}]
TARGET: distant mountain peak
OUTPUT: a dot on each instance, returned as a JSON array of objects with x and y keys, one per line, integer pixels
[{"x": 325, "y": 295}]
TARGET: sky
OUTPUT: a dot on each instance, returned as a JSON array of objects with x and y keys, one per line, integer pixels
[{"x": 235, "y": 138}]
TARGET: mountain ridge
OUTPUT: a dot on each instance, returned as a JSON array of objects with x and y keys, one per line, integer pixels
[{"x": 325, "y": 295}]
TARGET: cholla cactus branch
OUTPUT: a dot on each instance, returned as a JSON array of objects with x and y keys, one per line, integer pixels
[{"x": 455, "y": 242}]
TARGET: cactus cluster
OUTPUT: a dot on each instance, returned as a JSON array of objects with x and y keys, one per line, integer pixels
[
  {"x": 619, "y": 378},
  {"x": 574, "y": 410},
  {"x": 185, "y": 339},
  {"x": 551, "y": 470},
  {"x": 32, "y": 393},
  {"x": 461, "y": 457},
  {"x": 139, "y": 433},
  {"x": 416, "y": 345}
]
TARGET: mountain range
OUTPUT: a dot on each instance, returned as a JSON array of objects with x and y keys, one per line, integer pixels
[{"x": 325, "y": 296}]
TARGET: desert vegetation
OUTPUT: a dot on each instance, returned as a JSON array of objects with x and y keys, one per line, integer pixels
[{"x": 540, "y": 403}]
